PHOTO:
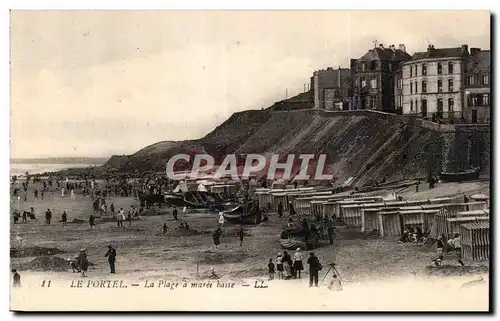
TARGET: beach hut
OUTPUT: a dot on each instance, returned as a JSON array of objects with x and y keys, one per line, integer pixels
[
  {"x": 481, "y": 198},
  {"x": 475, "y": 238},
  {"x": 395, "y": 204},
  {"x": 471, "y": 206},
  {"x": 455, "y": 222},
  {"x": 454, "y": 208},
  {"x": 473, "y": 213},
  {"x": 412, "y": 219},
  {"x": 303, "y": 205},
  {"x": 369, "y": 219},
  {"x": 351, "y": 214},
  {"x": 441, "y": 200},
  {"x": 278, "y": 197},
  {"x": 328, "y": 209},
  {"x": 264, "y": 198},
  {"x": 417, "y": 202},
  {"x": 338, "y": 204},
  {"x": 317, "y": 208},
  {"x": 389, "y": 223}
]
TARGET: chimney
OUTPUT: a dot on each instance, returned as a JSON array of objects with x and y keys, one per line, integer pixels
[
  {"x": 474, "y": 51},
  {"x": 402, "y": 47},
  {"x": 465, "y": 48}
]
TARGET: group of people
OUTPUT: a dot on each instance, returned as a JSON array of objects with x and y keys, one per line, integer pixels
[
  {"x": 453, "y": 245},
  {"x": 288, "y": 268},
  {"x": 80, "y": 263},
  {"x": 413, "y": 235}
]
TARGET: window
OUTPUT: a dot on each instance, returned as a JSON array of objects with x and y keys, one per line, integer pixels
[
  {"x": 363, "y": 66},
  {"x": 424, "y": 86},
  {"x": 411, "y": 71},
  {"x": 470, "y": 80},
  {"x": 411, "y": 105},
  {"x": 373, "y": 83},
  {"x": 451, "y": 104},
  {"x": 363, "y": 82},
  {"x": 440, "y": 68},
  {"x": 450, "y": 84},
  {"x": 424, "y": 69},
  {"x": 485, "y": 79},
  {"x": 400, "y": 101},
  {"x": 374, "y": 65},
  {"x": 390, "y": 67},
  {"x": 411, "y": 88},
  {"x": 440, "y": 85},
  {"x": 473, "y": 101},
  {"x": 450, "y": 67},
  {"x": 357, "y": 82},
  {"x": 416, "y": 106},
  {"x": 416, "y": 87},
  {"x": 416, "y": 70},
  {"x": 400, "y": 84},
  {"x": 486, "y": 100}
]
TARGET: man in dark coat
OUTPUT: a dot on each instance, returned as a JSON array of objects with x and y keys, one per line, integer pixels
[
  {"x": 280, "y": 209},
  {"x": 111, "y": 255},
  {"x": 241, "y": 234},
  {"x": 314, "y": 267}
]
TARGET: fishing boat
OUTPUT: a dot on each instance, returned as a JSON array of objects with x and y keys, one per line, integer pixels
[
  {"x": 468, "y": 175},
  {"x": 292, "y": 238},
  {"x": 239, "y": 215}
]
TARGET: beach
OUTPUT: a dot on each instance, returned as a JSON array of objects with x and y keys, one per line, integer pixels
[{"x": 367, "y": 265}]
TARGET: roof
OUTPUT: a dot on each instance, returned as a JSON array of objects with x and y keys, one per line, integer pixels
[
  {"x": 385, "y": 54},
  {"x": 439, "y": 53},
  {"x": 476, "y": 225},
  {"x": 470, "y": 219},
  {"x": 480, "y": 61}
]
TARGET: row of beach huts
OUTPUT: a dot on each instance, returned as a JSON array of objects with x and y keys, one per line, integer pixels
[{"x": 439, "y": 216}]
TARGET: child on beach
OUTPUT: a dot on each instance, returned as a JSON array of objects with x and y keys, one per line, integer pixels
[
  {"x": 271, "y": 269},
  {"x": 16, "y": 279},
  {"x": 279, "y": 265}
]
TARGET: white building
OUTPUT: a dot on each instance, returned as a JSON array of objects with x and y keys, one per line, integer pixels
[{"x": 431, "y": 83}]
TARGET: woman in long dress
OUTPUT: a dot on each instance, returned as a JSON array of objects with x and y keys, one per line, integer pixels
[{"x": 83, "y": 263}]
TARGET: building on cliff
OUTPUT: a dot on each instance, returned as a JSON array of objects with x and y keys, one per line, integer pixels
[
  {"x": 431, "y": 83},
  {"x": 332, "y": 88},
  {"x": 477, "y": 86},
  {"x": 373, "y": 77}
]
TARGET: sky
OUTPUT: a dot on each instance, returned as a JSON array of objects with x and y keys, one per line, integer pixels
[{"x": 100, "y": 83}]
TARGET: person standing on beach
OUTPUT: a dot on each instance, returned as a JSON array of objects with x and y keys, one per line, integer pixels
[
  {"x": 129, "y": 218},
  {"x": 83, "y": 263},
  {"x": 48, "y": 216},
  {"x": 174, "y": 213},
  {"x": 270, "y": 266},
  {"x": 297, "y": 263},
  {"x": 314, "y": 267},
  {"x": 287, "y": 264},
  {"x": 25, "y": 218},
  {"x": 36, "y": 193},
  {"x": 164, "y": 228},
  {"x": 241, "y": 234},
  {"x": 112, "y": 209},
  {"x": 72, "y": 193},
  {"x": 119, "y": 217},
  {"x": 62, "y": 191},
  {"x": 92, "y": 221},
  {"x": 280, "y": 209},
  {"x": 16, "y": 279},
  {"x": 292, "y": 209},
  {"x": 64, "y": 218},
  {"x": 216, "y": 238},
  {"x": 111, "y": 255},
  {"x": 42, "y": 194},
  {"x": 279, "y": 265}
]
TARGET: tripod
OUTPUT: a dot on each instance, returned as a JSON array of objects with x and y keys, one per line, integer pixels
[{"x": 332, "y": 267}]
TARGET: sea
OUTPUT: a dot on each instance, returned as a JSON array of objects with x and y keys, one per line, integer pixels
[{"x": 21, "y": 169}]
